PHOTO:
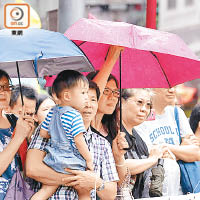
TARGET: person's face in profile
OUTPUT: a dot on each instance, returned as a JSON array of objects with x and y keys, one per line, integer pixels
[
  {"x": 90, "y": 109},
  {"x": 43, "y": 109}
]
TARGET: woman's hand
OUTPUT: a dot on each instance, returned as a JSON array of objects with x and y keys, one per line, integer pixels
[
  {"x": 167, "y": 152},
  {"x": 113, "y": 53},
  {"x": 24, "y": 126},
  {"x": 156, "y": 152},
  {"x": 118, "y": 145}
]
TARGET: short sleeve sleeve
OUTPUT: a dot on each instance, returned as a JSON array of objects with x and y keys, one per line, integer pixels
[
  {"x": 46, "y": 122},
  {"x": 74, "y": 121},
  {"x": 185, "y": 128}
]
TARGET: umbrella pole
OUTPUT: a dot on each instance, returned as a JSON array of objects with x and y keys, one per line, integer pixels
[
  {"x": 120, "y": 89},
  {"x": 20, "y": 86},
  {"x": 131, "y": 143}
]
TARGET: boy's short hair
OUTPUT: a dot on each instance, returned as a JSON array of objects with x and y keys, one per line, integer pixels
[
  {"x": 66, "y": 80},
  {"x": 27, "y": 92}
]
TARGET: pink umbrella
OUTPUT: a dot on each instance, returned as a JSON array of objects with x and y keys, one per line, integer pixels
[{"x": 151, "y": 58}]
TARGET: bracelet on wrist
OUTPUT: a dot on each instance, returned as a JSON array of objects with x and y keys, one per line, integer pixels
[{"x": 120, "y": 165}]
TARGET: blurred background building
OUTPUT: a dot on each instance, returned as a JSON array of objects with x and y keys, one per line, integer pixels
[
  {"x": 181, "y": 17},
  {"x": 178, "y": 16}
]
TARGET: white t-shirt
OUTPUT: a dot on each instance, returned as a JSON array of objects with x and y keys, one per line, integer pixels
[{"x": 164, "y": 128}]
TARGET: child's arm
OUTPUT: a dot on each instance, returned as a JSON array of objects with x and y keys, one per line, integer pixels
[
  {"x": 45, "y": 125},
  {"x": 44, "y": 134},
  {"x": 83, "y": 149}
]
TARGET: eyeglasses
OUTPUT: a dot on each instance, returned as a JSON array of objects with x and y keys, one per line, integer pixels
[
  {"x": 141, "y": 103},
  {"x": 108, "y": 91},
  {"x": 6, "y": 88}
]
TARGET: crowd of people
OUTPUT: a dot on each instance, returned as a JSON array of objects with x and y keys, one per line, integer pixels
[{"x": 70, "y": 144}]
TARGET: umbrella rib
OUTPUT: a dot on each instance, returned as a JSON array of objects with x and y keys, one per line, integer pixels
[
  {"x": 82, "y": 43},
  {"x": 107, "y": 54},
  {"x": 84, "y": 53},
  {"x": 161, "y": 68}
]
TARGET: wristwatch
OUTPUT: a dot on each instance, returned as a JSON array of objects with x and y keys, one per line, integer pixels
[{"x": 102, "y": 186}]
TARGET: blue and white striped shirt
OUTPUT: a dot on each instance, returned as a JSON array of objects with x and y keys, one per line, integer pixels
[{"x": 72, "y": 123}]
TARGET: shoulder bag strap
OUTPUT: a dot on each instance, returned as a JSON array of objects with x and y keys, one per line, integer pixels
[{"x": 177, "y": 122}]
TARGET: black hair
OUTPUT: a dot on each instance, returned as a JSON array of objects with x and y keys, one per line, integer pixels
[
  {"x": 93, "y": 85},
  {"x": 195, "y": 117},
  {"x": 91, "y": 76},
  {"x": 66, "y": 80},
  {"x": 110, "y": 122},
  {"x": 27, "y": 92},
  {"x": 125, "y": 94},
  {"x": 5, "y": 74},
  {"x": 40, "y": 99}
]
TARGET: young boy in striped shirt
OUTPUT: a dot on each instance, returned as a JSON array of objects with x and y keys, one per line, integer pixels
[{"x": 64, "y": 126}]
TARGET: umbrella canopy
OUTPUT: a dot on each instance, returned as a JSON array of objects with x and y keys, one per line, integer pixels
[
  {"x": 152, "y": 58},
  {"x": 39, "y": 53}
]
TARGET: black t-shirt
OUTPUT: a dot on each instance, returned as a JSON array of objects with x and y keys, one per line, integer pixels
[
  {"x": 139, "y": 146},
  {"x": 138, "y": 150},
  {"x": 108, "y": 137}
]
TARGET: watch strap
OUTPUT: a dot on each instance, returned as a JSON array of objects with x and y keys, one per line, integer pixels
[{"x": 102, "y": 186}]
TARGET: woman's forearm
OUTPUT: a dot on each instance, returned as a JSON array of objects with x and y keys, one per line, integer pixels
[
  {"x": 122, "y": 171},
  {"x": 121, "y": 168},
  {"x": 8, "y": 154},
  {"x": 102, "y": 77},
  {"x": 137, "y": 166},
  {"x": 109, "y": 192}
]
